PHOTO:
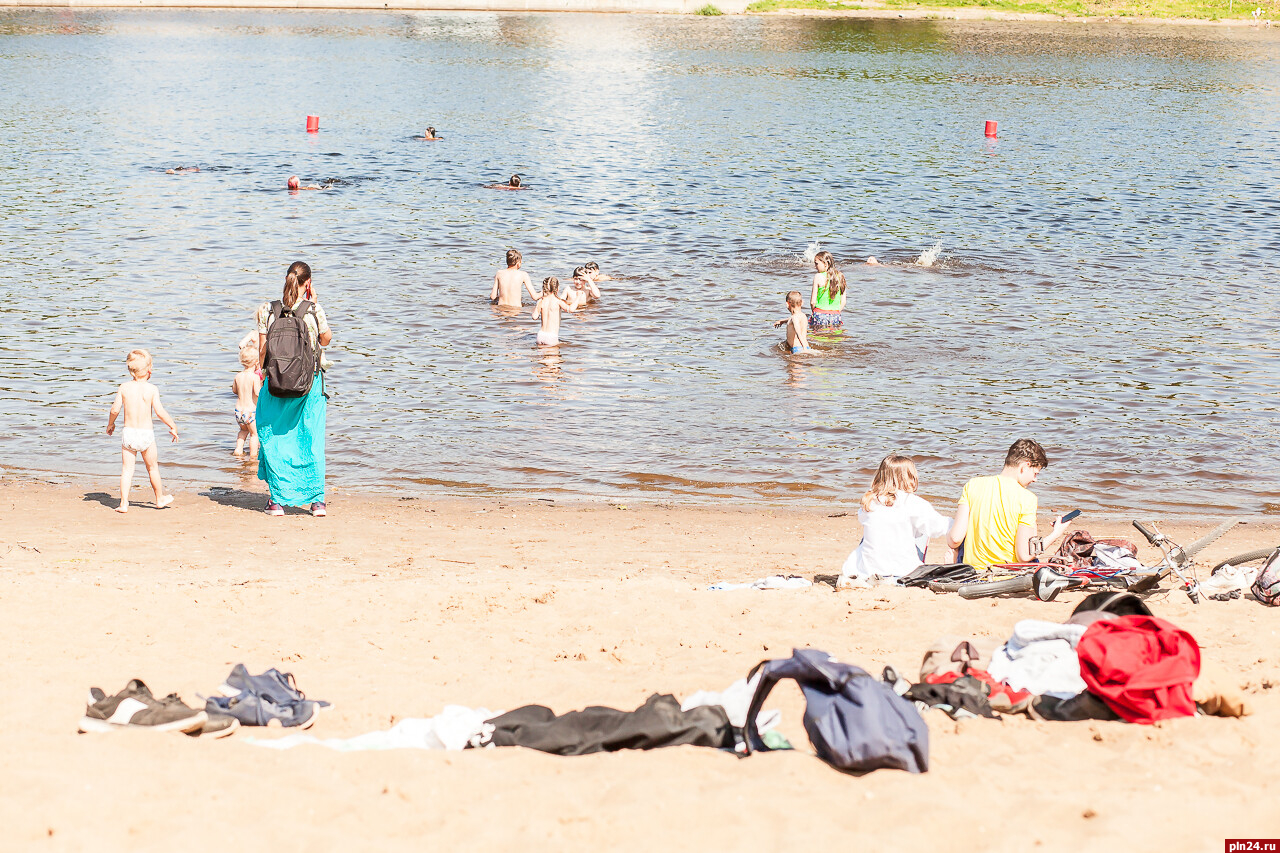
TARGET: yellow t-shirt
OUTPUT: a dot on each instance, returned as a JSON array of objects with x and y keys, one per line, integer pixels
[{"x": 997, "y": 505}]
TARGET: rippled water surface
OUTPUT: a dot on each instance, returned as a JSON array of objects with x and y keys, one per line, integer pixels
[{"x": 1105, "y": 282}]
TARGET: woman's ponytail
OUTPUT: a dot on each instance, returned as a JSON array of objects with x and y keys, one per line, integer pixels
[{"x": 294, "y": 281}]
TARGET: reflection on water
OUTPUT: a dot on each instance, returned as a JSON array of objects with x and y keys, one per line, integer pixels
[{"x": 1098, "y": 277}]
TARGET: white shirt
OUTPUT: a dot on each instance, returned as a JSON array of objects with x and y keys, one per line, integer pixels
[{"x": 894, "y": 538}]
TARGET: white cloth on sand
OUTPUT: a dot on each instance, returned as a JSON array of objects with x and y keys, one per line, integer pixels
[
  {"x": 1040, "y": 657},
  {"x": 736, "y": 701},
  {"x": 771, "y": 582},
  {"x": 894, "y": 539},
  {"x": 453, "y": 729}
]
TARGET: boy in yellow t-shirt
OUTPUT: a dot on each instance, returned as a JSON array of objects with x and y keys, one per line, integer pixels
[{"x": 996, "y": 516}]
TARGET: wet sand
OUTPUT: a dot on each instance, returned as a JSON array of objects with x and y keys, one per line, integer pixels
[{"x": 393, "y": 608}]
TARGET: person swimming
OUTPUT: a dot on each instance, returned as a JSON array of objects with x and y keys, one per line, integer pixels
[
  {"x": 429, "y": 135},
  {"x": 514, "y": 184},
  {"x": 181, "y": 170},
  {"x": 294, "y": 184}
]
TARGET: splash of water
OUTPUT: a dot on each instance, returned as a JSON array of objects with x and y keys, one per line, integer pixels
[
  {"x": 929, "y": 256},
  {"x": 812, "y": 252}
]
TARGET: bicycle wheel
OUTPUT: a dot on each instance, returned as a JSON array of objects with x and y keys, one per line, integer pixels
[
  {"x": 1249, "y": 558},
  {"x": 985, "y": 589}
]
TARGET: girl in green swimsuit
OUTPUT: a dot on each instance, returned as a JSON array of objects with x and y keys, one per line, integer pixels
[{"x": 827, "y": 297}]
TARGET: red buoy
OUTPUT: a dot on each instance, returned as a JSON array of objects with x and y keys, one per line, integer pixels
[
  {"x": 313, "y": 125},
  {"x": 991, "y": 129}
]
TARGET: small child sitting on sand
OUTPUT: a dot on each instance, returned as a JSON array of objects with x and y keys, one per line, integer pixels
[
  {"x": 246, "y": 385},
  {"x": 137, "y": 399},
  {"x": 548, "y": 308},
  {"x": 896, "y": 527},
  {"x": 797, "y": 324}
]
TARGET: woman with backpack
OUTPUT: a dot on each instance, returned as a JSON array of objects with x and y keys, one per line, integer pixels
[{"x": 291, "y": 408}]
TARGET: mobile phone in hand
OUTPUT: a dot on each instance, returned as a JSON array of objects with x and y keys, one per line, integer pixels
[{"x": 1070, "y": 516}]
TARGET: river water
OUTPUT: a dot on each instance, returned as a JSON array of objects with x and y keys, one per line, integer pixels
[{"x": 1104, "y": 282}]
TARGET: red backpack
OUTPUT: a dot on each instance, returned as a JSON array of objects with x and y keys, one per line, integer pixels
[{"x": 1141, "y": 666}]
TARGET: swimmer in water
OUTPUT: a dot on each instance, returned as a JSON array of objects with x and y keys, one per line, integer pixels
[
  {"x": 872, "y": 262},
  {"x": 583, "y": 289},
  {"x": 797, "y": 324},
  {"x": 429, "y": 135},
  {"x": 548, "y": 309},
  {"x": 593, "y": 272},
  {"x": 507, "y": 283},
  {"x": 295, "y": 185},
  {"x": 182, "y": 170},
  {"x": 514, "y": 184}
]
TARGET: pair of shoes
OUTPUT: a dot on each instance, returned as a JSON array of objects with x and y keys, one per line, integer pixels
[
  {"x": 317, "y": 509},
  {"x": 272, "y": 698},
  {"x": 135, "y": 707},
  {"x": 274, "y": 508}
]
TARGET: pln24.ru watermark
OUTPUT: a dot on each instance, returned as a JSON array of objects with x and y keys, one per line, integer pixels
[{"x": 1252, "y": 845}]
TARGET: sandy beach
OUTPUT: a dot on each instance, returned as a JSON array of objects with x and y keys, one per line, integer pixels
[{"x": 394, "y": 608}]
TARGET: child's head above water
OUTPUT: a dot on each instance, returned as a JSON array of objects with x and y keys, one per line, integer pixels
[
  {"x": 514, "y": 182},
  {"x": 293, "y": 182},
  {"x": 139, "y": 363},
  {"x": 513, "y": 258},
  {"x": 591, "y": 267},
  {"x": 551, "y": 284},
  {"x": 897, "y": 473},
  {"x": 794, "y": 300},
  {"x": 579, "y": 275}
]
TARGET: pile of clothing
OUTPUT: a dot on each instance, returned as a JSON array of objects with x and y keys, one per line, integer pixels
[
  {"x": 272, "y": 698},
  {"x": 1112, "y": 660},
  {"x": 855, "y": 722}
]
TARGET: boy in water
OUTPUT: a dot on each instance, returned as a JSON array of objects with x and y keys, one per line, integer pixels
[
  {"x": 137, "y": 399},
  {"x": 593, "y": 272},
  {"x": 294, "y": 184},
  {"x": 548, "y": 308},
  {"x": 247, "y": 385},
  {"x": 507, "y": 283},
  {"x": 583, "y": 289},
  {"x": 996, "y": 517},
  {"x": 797, "y": 324}
]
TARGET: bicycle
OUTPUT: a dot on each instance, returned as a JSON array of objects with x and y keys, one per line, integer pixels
[{"x": 1045, "y": 582}]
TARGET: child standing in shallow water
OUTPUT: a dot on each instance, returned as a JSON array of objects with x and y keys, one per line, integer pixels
[
  {"x": 548, "y": 308},
  {"x": 137, "y": 399},
  {"x": 246, "y": 385},
  {"x": 797, "y": 324},
  {"x": 827, "y": 297}
]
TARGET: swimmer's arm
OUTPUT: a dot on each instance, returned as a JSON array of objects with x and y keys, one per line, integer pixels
[
  {"x": 116, "y": 407},
  {"x": 537, "y": 309},
  {"x": 528, "y": 283},
  {"x": 843, "y": 298},
  {"x": 493, "y": 292},
  {"x": 813, "y": 292},
  {"x": 777, "y": 323},
  {"x": 571, "y": 308},
  {"x": 164, "y": 416},
  {"x": 595, "y": 291}
]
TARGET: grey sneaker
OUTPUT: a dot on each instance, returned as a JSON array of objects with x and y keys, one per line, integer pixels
[{"x": 135, "y": 707}]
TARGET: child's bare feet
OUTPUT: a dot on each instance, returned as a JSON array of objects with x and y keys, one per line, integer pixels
[
  {"x": 124, "y": 507},
  {"x": 164, "y": 501}
]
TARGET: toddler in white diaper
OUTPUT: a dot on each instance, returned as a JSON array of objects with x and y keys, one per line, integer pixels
[
  {"x": 137, "y": 399},
  {"x": 246, "y": 385}
]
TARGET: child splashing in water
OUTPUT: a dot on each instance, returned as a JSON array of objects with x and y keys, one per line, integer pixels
[
  {"x": 548, "y": 309},
  {"x": 827, "y": 297},
  {"x": 136, "y": 400}
]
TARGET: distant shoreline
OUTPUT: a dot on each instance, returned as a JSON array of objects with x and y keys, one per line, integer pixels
[{"x": 728, "y": 7}]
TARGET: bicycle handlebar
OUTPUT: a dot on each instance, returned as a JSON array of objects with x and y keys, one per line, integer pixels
[{"x": 1146, "y": 531}]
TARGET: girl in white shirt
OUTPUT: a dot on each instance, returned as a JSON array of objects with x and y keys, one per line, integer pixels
[{"x": 896, "y": 527}]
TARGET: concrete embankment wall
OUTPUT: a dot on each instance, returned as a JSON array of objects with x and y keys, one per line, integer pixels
[{"x": 672, "y": 6}]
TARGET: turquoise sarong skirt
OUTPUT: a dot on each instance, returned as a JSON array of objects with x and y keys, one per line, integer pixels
[{"x": 291, "y": 455}]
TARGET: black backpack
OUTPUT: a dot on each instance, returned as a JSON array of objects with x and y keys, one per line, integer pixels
[{"x": 292, "y": 358}]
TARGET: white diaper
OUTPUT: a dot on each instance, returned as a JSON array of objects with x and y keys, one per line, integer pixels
[{"x": 137, "y": 440}]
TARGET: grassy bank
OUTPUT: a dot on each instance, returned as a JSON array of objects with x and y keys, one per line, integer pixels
[{"x": 1213, "y": 10}]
